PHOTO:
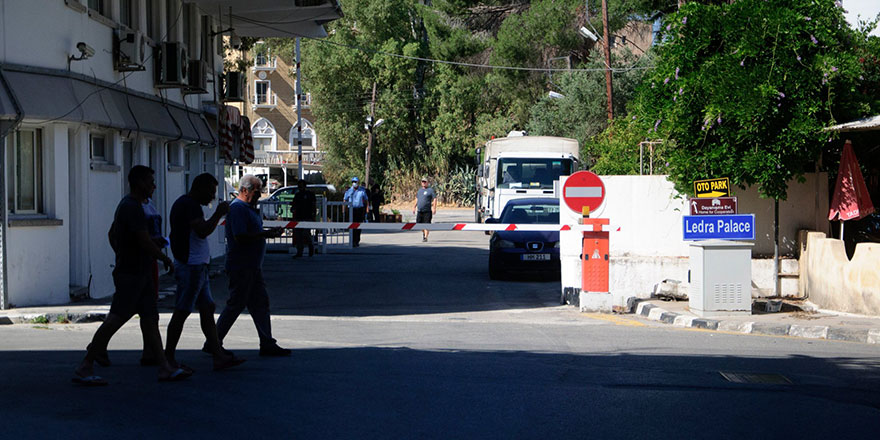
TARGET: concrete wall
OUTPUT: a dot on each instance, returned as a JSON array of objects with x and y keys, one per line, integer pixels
[
  {"x": 646, "y": 234},
  {"x": 832, "y": 281}
]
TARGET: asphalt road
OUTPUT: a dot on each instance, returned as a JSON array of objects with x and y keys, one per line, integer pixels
[{"x": 400, "y": 339}]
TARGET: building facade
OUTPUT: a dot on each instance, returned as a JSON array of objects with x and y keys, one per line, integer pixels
[{"x": 90, "y": 88}]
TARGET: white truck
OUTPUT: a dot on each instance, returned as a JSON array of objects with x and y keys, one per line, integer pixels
[{"x": 518, "y": 166}]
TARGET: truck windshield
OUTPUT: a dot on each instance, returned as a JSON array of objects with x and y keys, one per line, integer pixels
[{"x": 532, "y": 173}]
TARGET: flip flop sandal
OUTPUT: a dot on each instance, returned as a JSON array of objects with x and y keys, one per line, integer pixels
[
  {"x": 89, "y": 381},
  {"x": 177, "y": 376},
  {"x": 229, "y": 363}
]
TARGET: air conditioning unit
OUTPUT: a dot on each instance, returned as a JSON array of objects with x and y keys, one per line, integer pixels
[
  {"x": 130, "y": 49},
  {"x": 172, "y": 66},
  {"x": 198, "y": 77},
  {"x": 233, "y": 87}
]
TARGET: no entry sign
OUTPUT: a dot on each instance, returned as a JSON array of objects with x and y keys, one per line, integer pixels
[{"x": 582, "y": 189}]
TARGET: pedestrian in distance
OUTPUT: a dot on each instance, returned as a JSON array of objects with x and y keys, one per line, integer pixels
[
  {"x": 130, "y": 240},
  {"x": 245, "y": 250},
  {"x": 360, "y": 203},
  {"x": 426, "y": 206},
  {"x": 304, "y": 208},
  {"x": 192, "y": 258},
  {"x": 377, "y": 199}
]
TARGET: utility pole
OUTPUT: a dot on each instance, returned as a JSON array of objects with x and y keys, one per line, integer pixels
[
  {"x": 607, "y": 43},
  {"x": 370, "y": 121},
  {"x": 299, "y": 121}
]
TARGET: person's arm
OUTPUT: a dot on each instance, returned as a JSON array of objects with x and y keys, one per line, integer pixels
[
  {"x": 434, "y": 205},
  {"x": 203, "y": 228},
  {"x": 147, "y": 244}
]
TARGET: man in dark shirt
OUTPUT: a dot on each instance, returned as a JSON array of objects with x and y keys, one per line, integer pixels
[
  {"x": 192, "y": 258},
  {"x": 134, "y": 285},
  {"x": 304, "y": 206},
  {"x": 377, "y": 199},
  {"x": 245, "y": 249}
]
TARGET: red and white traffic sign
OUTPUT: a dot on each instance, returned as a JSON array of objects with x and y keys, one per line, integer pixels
[{"x": 582, "y": 189}]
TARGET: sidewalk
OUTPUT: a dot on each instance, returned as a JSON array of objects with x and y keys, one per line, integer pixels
[{"x": 795, "y": 319}]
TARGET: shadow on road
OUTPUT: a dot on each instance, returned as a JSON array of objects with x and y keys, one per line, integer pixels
[{"x": 368, "y": 393}]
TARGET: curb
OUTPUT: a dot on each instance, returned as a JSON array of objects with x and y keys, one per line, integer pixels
[
  {"x": 54, "y": 317},
  {"x": 654, "y": 313}
]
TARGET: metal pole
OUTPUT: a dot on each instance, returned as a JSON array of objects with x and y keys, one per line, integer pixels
[
  {"x": 299, "y": 131},
  {"x": 607, "y": 42},
  {"x": 641, "y": 158},
  {"x": 776, "y": 247},
  {"x": 370, "y": 138}
]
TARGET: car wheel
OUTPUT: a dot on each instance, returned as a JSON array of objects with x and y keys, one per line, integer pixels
[{"x": 495, "y": 271}]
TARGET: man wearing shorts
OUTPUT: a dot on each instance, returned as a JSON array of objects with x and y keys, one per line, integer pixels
[
  {"x": 192, "y": 258},
  {"x": 426, "y": 206},
  {"x": 132, "y": 277}
]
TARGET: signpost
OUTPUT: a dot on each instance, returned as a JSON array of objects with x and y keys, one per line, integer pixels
[
  {"x": 713, "y": 206},
  {"x": 583, "y": 190},
  {"x": 721, "y": 227},
  {"x": 712, "y": 187}
]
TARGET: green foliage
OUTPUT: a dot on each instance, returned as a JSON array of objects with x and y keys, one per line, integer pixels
[{"x": 745, "y": 89}]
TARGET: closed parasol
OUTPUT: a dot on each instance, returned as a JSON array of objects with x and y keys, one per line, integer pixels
[{"x": 851, "y": 200}]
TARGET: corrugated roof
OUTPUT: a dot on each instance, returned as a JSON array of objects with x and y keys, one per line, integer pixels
[{"x": 866, "y": 124}]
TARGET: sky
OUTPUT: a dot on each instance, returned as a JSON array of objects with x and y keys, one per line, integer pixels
[{"x": 866, "y": 8}]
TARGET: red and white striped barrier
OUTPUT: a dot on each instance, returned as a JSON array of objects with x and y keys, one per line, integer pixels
[{"x": 430, "y": 226}]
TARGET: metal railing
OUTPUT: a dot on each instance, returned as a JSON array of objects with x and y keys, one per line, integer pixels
[
  {"x": 264, "y": 62},
  {"x": 326, "y": 211},
  {"x": 264, "y": 100}
]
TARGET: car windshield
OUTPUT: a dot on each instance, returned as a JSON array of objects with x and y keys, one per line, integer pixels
[
  {"x": 535, "y": 213},
  {"x": 532, "y": 173}
]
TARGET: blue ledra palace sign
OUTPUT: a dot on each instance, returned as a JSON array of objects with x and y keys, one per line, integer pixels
[{"x": 722, "y": 227}]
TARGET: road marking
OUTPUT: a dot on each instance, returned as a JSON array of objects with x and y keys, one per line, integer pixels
[{"x": 615, "y": 319}]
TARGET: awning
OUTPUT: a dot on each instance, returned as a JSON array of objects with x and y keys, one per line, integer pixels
[
  {"x": 103, "y": 106},
  {"x": 45, "y": 97},
  {"x": 8, "y": 114},
  {"x": 185, "y": 123},
  {"x": 153, "y": 117},
  {"x": 866, "y": 124},
  {"x": 275, "y": 18}
]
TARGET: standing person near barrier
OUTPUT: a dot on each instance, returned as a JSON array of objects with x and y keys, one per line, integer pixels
[
  {"x": 192, "y": 258},
  {"x": 377, "y": 199},
  {"x": 360, "y": 203},
  {"x": 426, "y": 206},
  {"x": 130, "y": 240},
  {"x": 304, "y": 207},
  {"x": 245, "y": 249}
]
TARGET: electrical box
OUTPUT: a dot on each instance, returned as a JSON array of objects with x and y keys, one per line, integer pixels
[{"x": 720, "y": 278}]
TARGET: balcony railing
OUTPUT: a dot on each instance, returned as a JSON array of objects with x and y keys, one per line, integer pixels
[
  {"x": 306, "y": 101},
  {"x": 264, "y": 100},
  {"x": 265, "y": 62}
]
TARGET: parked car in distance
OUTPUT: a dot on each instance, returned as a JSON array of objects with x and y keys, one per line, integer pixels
[
  {"x": 277, "y": 205},
  {"x": 525, "y": 251}
]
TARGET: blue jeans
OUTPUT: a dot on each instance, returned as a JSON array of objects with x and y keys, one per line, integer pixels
[
  {"x": 247, "y": 289},
  {"x": 193, "y": 286}
]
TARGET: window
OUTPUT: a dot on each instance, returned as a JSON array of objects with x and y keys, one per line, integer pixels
[
  {"x": 308, "y": 135},
  {"x": 173, "y": 154},
  {"x": 101, "y": 150},
  {"x": 128, "y": 160},
  {"x": 128, "y": 13},
  {"x": 264, "y": 135},
  {"x": 100, "y": 6},
  {"x": 25, "y": 161},
  {"x": 172, "y": 17},
  {"x": 261, "y": 92}
]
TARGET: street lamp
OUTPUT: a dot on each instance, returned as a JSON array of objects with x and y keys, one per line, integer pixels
[{"x": 369, "y": 126}]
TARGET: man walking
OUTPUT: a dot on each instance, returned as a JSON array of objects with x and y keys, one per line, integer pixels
[
  {"x": 192, "y": 255},
  {"x": 426, "y": 206},
  {"x": 377, "y": 199},
  {"x": 245, "y": 249},
  {"x": 360, "y": 202},
  {"x": 135, "y": 251},
  {"x": 304, "y": 206}
]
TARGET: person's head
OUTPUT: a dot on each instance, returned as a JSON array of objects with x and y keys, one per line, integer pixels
[
  {"x": 142, "y": 182},
  {"x": 375, "y": 188},
  {"x": 425, "y": 181},
  {"x": 203, "y": 188},
  {"x": 302, "y": 185},
  {"x": 355, "y": 182},
  {"x": 249, "y": 189}
]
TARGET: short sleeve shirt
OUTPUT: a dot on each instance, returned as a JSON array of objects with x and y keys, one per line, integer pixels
[
  {"x": 186, "y": 245},
  {"x": 357, "y": 197},
  {"x": 425, "y": 199},
  {"x": 243, "y": 219},
  {"x": 128, "y": 221},
  {"x": 304, "y": 205}
]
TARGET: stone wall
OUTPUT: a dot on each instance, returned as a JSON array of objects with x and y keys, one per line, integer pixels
[{"x": 832, "y": 281}]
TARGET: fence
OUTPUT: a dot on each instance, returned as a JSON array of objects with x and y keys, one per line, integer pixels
[{"x": 326, "y": 211}]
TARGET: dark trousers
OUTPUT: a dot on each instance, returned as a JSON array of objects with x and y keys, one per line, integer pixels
[
  {"x": 374, "y": 213},
  {"x": 358, "y": 216},
  {"x": 247, "y": 290},
  {"x": 304, "y": 238}
]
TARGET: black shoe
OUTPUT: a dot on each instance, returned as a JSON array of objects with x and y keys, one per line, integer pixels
[
  {"x": 206, "y": 350},
  {"x": 274, "y": 351}
]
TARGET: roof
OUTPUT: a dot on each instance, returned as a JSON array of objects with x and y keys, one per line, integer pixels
[
  {"x": 275, "y": 18},
  {"x": 871, "y": 123},
  {"x": 533, "y": 201}
]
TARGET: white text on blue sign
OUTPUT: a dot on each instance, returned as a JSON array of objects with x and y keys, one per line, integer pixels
[{"x": 722, "y": 227}]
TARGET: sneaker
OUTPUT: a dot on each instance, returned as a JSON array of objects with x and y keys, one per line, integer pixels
[{"x": 274, "y": 351}]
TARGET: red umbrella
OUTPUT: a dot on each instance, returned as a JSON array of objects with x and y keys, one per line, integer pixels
[{"x": 851, "y": 200}]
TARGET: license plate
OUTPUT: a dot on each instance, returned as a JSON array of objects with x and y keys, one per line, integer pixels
[{"x": 536, "y": 257}]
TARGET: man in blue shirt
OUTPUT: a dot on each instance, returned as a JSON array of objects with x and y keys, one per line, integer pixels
[
  {"x": 360, "y": 203},
  {"x": 245, "y": 249}
]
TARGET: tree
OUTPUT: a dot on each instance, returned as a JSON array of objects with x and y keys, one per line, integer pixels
[{"x": 744, "y": 90}]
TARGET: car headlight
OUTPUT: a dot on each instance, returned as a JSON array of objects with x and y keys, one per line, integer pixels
[{"x": 504, "y": 244}]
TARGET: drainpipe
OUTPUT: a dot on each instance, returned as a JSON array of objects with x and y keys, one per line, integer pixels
[{"x": 4, "y": 209}]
